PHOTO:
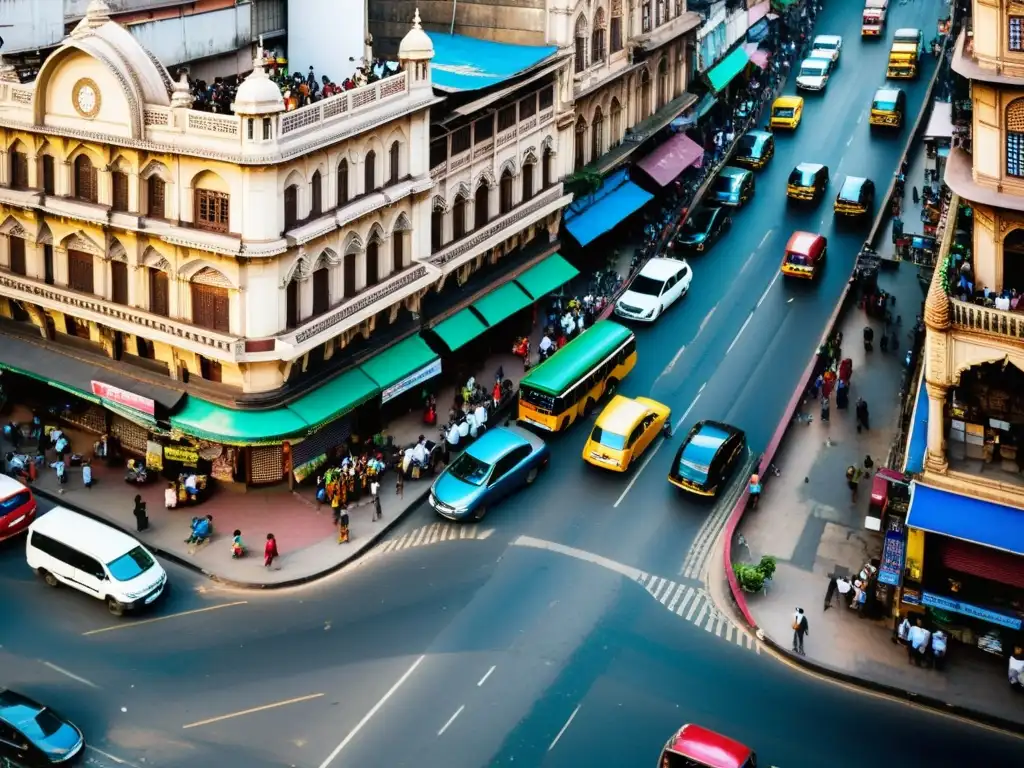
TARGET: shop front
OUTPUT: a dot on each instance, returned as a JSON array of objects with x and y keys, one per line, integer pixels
[{"x": 986, "y": 422}]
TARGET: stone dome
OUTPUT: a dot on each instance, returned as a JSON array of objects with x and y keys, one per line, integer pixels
[
  {"x": 258, "y": 94},
  {"x": 416, "y": 45}
]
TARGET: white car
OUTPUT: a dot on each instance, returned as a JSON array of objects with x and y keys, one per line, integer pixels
[
  {"x": 660, "y": 283},
  {"x": 813, "y": 74},
  {"x": 832, "y": 45}
]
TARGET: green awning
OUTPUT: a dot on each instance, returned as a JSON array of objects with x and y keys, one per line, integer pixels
[
  {"x": 459, "y": 329},
  {"x": 209, "y": 421},
  {"x": 782, "y": 4},
  {"x": 334, "y": 399},
  {"x": 55, "y": 384},
  {"x": 541, "y": 279},
  {"x": 502, "y": 303},
  {"x": 397, "y": 362},
  {"x": 724, "y": 71}
]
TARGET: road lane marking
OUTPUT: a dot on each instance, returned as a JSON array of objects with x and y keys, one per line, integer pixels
[
  {"x": 850, "y": 141},
  {"x": 746, "y": 263},
  {"x": 373, "y": 711},
  {"x": 565, "y": 727},
  {"x": 742, "y": 329},
  {"x": 115, "y": 758},
  {"x": 704, "y": 322},
  {"x": 764, "y": 239},
  {"x": 451, "y": 720},
  {"x": 766, "y": 290},
  {"x": 141, "y": 622},
  {"x": 484, "y": 678},
  {"x": 860, "y": 118},
  {"x": 252, "y": 710},
  {"x": 687, "y": 411},
  {"x": 639, "y": 471},
  {"x": 673, "y": 361},
  {"x": 635, "y": 574},
  {"x": 72, "y": 675}
]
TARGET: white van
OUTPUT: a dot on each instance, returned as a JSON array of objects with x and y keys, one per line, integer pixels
[{"x": 65, "y": 547}]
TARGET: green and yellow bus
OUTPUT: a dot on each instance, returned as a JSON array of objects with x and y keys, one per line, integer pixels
[{"x": 568, "y": 385}]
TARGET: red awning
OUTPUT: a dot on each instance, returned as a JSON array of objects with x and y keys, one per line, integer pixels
[
  {"x": 672, "y": 158},
  {"x": 982, "y": 562}
]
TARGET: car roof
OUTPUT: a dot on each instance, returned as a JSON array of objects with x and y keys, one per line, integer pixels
[
  {"x": 91, "y": 536},
  {"x": 809, "y": 167},
  {"x": 903, "y": 46},
  {"x": 709, "y": 748},
  {"x": 760, "y": 136},
  {"x": 12, "y": 700},
  {"x": 819, "y": 60},
  {"x": 907, "y": 32},
  {"x": 705, "y": 440},
  {"x": 802, "y": 242},
  {"x": 621, "y": 415},
  {"x": 828, "y": 39},
  {"x": 9, "y": 486},
  {"x": 734, "y": 172},
  {"x": 887, "y": 94},
  {"x": 852, "y": 185},
  {"x": 789, "y": 101},
  {"x": 661, "y": 268},
  {"x": 496, "y": 442}
]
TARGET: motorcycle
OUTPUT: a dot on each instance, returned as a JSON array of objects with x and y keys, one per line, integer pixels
[{"x": 137, "y": 473}]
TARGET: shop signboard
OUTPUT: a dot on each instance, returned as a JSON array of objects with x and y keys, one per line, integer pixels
[
  {"x": 187, "y": 456},
  {"x": 123, "y": 397},
  {"x": 911, "y": 597},
  {"x": 410, "y": 381},
  {"x": 154, "y": 455},
  {"x": 955, "y": 606},
  {"x": 893, "y": 551}
]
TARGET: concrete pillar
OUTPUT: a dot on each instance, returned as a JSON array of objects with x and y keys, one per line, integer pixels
[{"x": 935, "y": 458}]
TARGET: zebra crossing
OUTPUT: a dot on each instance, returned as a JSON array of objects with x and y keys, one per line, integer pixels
[
  {"x": 435, "y": 533},
  {"x": 695, "y": 606}
]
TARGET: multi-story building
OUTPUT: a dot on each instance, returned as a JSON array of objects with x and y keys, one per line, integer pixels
[
  {"x": 212, "y": 37},
  {"x": 965, "y": 550},
  {"x": 150, "y": 249}
]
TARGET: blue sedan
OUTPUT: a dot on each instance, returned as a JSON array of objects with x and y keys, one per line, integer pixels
[
  {"x": 707, "y": 457},
  {"x": 734, "y": 187},
  {"x": 501, "y": 461}
]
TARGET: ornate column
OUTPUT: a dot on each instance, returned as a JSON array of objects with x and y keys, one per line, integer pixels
[
  {"x": 937, "y": 352},
  {"x": 935, "y": 458}
]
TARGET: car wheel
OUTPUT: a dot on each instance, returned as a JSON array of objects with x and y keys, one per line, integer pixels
[
  {"x": 115, "y": 608},
  {"x": 532, "y": 475},
  {"x": 481, "y": 513},
  {"x": 49, "y": 578},
  {"x": 610, "y": 388}
]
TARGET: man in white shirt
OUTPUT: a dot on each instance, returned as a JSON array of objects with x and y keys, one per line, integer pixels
[
  {"x": 939, "y": 649},
  {"x": 917, "y": 642},
  {"x": 547, "y": 346},
  {"x": 419, "y": 452}
]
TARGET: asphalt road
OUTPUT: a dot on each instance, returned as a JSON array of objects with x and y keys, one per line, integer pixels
[{"x": 505, "y": 650}]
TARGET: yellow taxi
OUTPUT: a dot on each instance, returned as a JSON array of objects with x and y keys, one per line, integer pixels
[
  {"x": 786, "y": 112},
  {"x": 624, "y": 430}
]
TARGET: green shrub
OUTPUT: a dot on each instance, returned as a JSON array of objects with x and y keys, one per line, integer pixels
[
  {"x": 751, "y": 579},
  {"x": 767, "y": 566}
]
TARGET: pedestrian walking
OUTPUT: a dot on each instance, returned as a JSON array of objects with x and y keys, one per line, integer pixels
[
  {"x": 86, "y": 474},
  {"x": 270, "y": 552},
  {"x": 375, "y": 493},
  {"x": 141, "y": 518},
  {"x": 824, "y": 408},
  {"x": 800, "y": 630},
  {"x": 853, "y": 482},
  {"x": 863, "y": 418}
]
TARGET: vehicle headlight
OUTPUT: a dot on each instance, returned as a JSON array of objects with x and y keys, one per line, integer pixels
[{"x": 649, "y": 313}]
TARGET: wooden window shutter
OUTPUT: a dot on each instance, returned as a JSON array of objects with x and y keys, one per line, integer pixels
[
  {"x": 159, "y": 292},
  {"x": 119, "y": 282},
  {"x": 17, "y": 251},
  {"x": 119, "y": 182}
]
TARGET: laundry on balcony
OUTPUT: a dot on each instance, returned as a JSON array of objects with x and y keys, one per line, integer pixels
[
  {"x": 595, "y": 214},
  {"x": 672, "y": 158},
  {"x": 725, "y": 71},
  {"x": 464, "y": 63}
]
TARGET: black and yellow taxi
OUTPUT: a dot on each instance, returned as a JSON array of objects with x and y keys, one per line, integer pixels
[
  {"x": 754, "y": 150},
  {"x": 888, "y": 108},
  {"x": 706, "y": 457},
  {"x": 856, "y": 197},
  {"x": 807, "y": 182}
]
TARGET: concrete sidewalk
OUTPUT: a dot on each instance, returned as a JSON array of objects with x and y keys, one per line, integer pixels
[{"x": 807, "y": 520}]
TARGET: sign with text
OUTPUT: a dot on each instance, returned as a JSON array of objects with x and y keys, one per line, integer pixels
[
  {"x": 410, "y": 381},
  {"x": 892, "y": 558},
  {"x": 124, "y": 397},
  {"x": 187, "y": 456},
  {"x": 955, "y": 606}
]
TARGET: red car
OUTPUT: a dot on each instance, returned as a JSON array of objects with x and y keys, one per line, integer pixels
[
  {"x": 805, "y": 255},
  {"x": 17, "y": 507},
  {"x": 694, "y": 746}
]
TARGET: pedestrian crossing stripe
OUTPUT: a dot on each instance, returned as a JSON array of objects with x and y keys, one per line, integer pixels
[
  {"x": 435, "y": 533},
  {"x": 695, "y": 606}
]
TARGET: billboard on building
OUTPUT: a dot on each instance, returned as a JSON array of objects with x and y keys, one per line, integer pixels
[{"x": 326, "y": 35}]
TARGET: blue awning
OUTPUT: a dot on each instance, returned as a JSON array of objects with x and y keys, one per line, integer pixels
[
  {"x": 595, "y": 214},
  {"x": 966, "y": 518},
  {"x": 917, "y": 443},
  {"x": 463, "y": 63}
]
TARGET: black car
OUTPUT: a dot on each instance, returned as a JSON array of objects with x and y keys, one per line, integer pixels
[
  {"x": 707, "y": 457},
  {"x": 702, "y": 228},
  {"x": 33, "y": 736},
  {"x": 807, "y": 182},
  {"x": 754, "y": 149},
  {"x": 856, "y": 197}
]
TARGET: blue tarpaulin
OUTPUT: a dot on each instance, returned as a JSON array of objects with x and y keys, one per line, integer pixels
[
  {"x": 966, "y": 518},
  {"x": 463, "y": 63},
  {"x": 595, "y": 214},
  {"x": 917, "y": 445}
]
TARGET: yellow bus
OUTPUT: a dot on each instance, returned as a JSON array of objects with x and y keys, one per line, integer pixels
[{"x": 568, "y": 385}]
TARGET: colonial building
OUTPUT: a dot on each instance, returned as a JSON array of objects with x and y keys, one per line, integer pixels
[
  {"x": 965, "y": 548},
  {"x": 241, "y": 258}
]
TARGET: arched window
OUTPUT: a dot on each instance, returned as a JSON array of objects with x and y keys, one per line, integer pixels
[
  {"x": 644, "y": 95},
  {"x": 662, "y": 12},
  {"x": 459, "y": 223},
  {"x": 372, "y": 263},
  {"x": 616, "y": 124},
  {"x": 348, "y": 275},
  {"x": 321, "y": 289},
  {"x": 1015, "y": 138},
  {"x": 597, "y": 47},
  {"x": 210, "y": 302},
  {"x": 18, "y": 163},
  {"x": 342, "y": 183},
  {"x": 581, "y": 143},
  {"x": 616, "y": 26},
  {"x": 370, "y": 172},
  {"x": 505, "y": 200},
  {"x": 156, "y": 196},
  {"x": 393, "y": 160},
  {"x": 482, "y": 206},
  {"x": 679, "y": 87},
  {"x": 547, "y": 168},
  {"x": 1013, "y": 261},
  {"x": 291, "y": 312},
  {"x": 316, "y": 195},
  {"x": 528, "y": 180},
  {"x": 581, "y": 43},
  {"x": 85, "y": 180},
  {"x": 663, "y": 82},
  {"x": 291, "y": 206},
  {"x": 597, "y": 135},
  {"x": 398, "y": 250},
  {"x": 436, "y": 229}
]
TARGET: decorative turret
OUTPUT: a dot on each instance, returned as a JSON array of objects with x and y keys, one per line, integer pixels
[
  {"x": 936, "y": 305},
  {"x": 258, "y": 94},
  {"x": 181, "y": 94},
  {"x": 96, "y": 15},
  {"x": 415, "y": 53}
]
